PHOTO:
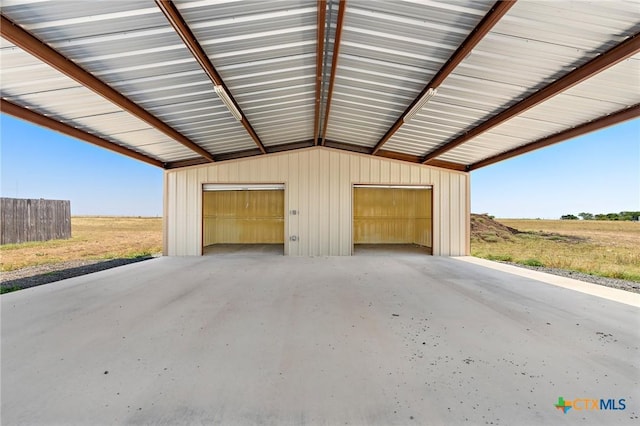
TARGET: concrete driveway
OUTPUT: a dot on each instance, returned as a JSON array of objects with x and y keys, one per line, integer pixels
[{"x": 403, "y": 340}]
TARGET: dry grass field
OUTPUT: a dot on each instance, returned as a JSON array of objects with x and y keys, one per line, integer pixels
[
  {"x": 605, "y": 248},
  {"x": 93, "y": 238},
  {"x": 609, "y": 249}
]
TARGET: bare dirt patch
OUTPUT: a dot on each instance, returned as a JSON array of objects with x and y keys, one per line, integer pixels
[{"x": 486, "y": 228}]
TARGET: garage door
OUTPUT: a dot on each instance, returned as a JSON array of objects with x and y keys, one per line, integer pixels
[
  {"x": 247, "y": 214},
  {"x": 392, "y": 215}
]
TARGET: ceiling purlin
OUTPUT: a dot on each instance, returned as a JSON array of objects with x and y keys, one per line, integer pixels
[
  {"x": 180, "y": 26},
  {"x": 31, "y": 44},
  {"x": 31, "y": 116},
  {"x": 620, "y": 52},
  {"x": 334, "y": 65},
  {"x": 608, "y": 120},
  {"x": 477, "y": 34},
  {"x": 321, "y": 24}
]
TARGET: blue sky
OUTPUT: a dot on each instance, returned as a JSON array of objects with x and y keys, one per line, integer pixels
[
  {"x": 596, "y": 173},
  {"x": 39, "y": 163}
]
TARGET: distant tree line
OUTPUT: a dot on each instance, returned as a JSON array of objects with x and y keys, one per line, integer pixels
[{"x": 609, "y": 216}]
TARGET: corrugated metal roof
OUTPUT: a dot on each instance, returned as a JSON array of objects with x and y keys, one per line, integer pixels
[
  {"x": 389, "y": 51},
  {"x": 265, "y": 52},
  {"x": 130, "y": 35},
  {"x": 534, "y": 44},
  {"x": 57, "y": 96},
  {"x": 601, "y": 95}
]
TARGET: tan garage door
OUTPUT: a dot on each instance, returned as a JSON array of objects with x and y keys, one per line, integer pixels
[
  {"x": 243, "y": 216},
  {"x": 392, "y": 215}
]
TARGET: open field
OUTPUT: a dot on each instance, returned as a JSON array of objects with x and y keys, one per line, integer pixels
[
  {"x": 608, "y": 249},
  {"x": 93, "y": 238},
  {"x": 604, "y": 248}
]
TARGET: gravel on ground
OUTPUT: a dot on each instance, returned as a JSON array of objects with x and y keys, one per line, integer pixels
[
  {"x": 48, "y": 273},
  {"x": 631, "y": 286}
]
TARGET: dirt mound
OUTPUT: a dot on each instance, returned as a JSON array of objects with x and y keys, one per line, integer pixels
[{"x": 484, "y": 227}]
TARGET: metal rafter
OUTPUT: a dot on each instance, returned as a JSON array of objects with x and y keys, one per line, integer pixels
[
  {"x": 484, "y": 26},
  {"x": 416, "y": 159},
  {"x": 342, "y": 6},
  {"x": 242, "y": 154},
  {"x": 322, "y": 10},
  {"x": 394, "y": 155},
  {"x": 622, "y": 51},
  {"x": 591, "y": 126},
  {"x": 180, "y": 26},
  {"x": 31, "y": 44},
  {"x": 18, "y": 111}
]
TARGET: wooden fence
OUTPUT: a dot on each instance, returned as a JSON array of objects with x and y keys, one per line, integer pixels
[{"x": 34, "y": 220}]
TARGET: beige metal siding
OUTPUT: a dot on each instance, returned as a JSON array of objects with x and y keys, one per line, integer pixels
[{"x": 318, "y": 186}]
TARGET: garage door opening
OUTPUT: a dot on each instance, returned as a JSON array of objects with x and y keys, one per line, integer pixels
[
  {"x": 392, "y": 219},
  {"x": 243, "y": 219}
]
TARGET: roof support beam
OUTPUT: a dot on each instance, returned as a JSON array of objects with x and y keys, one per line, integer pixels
[
  {"x": 394, "y": 155},
  {"x": 22, "y": 113},
  {"x": 416, "y": 159},
  {"x": 591, "y": 126},
  {"x": 484, "y": 26},
  {"x": 321, "y": 18},
  {"x": 242, "y": 154},
  {"x": 334, "y": 65},
  {"x": 180, "y": 26},
  {"x": 622, "y": 51},
  {"x": 29, "y": 43}
]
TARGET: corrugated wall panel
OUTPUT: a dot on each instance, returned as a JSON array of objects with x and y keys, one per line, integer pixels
[{"x": 318, "y": 186}]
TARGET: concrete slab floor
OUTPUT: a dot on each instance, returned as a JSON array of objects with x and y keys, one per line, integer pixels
[
  {"x": 404, "y": 340},
  {"x": 389, "y": 249},
  {"x": 243, "y": 249}
]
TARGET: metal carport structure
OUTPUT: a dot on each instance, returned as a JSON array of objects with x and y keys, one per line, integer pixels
[{"x": 317, "y": 340}]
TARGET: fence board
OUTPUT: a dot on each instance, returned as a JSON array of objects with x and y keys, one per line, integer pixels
[{"x": 23, "y": 220}]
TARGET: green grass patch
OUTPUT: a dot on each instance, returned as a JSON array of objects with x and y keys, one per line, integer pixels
[
  {"x": 138, "y": 254},
  {"x": 530, "y": 262},
  {"x": 4, "y": 290},
  {"x": 528, "y": 236},
  {"x": 621, "y": 275},
  {"x": 500, "y": 257}
]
